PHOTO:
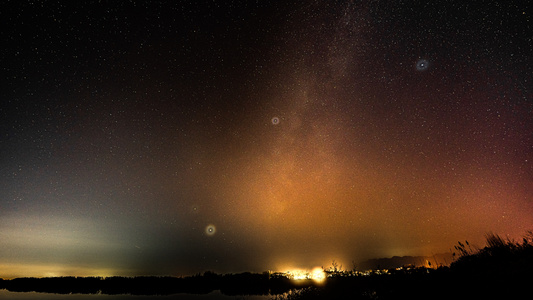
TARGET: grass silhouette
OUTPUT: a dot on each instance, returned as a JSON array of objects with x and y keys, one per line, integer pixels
[{"x": 503, "y": 269}]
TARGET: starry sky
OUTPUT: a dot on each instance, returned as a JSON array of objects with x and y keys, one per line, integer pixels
[{"x": 175, "y": 137}]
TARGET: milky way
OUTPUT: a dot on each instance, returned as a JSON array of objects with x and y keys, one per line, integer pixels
[{"x": 169, "y": 139}]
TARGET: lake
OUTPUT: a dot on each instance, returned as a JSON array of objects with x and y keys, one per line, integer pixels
[{"x": 215, "y": 295}]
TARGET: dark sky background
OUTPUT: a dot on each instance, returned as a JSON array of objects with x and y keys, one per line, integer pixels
[{"x": 170, "y": 138}]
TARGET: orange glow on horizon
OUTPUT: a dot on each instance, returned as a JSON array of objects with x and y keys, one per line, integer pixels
[{"x": 14, "y": 270}]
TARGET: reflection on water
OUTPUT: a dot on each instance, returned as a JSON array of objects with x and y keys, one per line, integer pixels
[{"x": 216, "y": 295}]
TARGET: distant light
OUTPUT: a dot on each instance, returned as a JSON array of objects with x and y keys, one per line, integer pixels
[
  {"x": 318, "y": 274},
  {"x": 299, "y": 275}
]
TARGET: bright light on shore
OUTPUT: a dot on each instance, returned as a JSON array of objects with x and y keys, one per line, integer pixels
[
  {"x": 317, "y": 274},
  {"x": 299, "y": 275}
]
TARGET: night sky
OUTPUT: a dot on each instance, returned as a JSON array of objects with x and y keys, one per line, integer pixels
[{"x": 170, "y": 138}]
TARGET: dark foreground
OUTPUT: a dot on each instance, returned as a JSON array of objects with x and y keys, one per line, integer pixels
[
  {"x": 501, "y": 270},
  {"x": 230, "y": 284}
]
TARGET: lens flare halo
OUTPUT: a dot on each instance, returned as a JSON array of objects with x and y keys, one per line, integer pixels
[
  {"x": 422, "y": 64},
  {"x": 210, "y": 230}
]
